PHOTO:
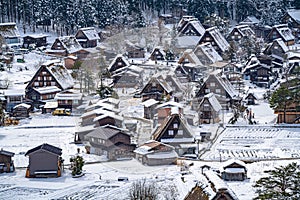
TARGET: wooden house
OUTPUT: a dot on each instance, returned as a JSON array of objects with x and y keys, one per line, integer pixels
[
  {"x": 13, "y": 98},
  {"x": 184, "y": 20},
  {"x": 177, "y": 133},
  {"x": 87, "y": 37},
  {"x": 282, "y": 31},
  {"x": 49, "y": 107},
  {"x": 156, "y": 88},
  {"x": 189, "y": 57},
  {"x": 70, "y": 61},
  {"x": 44, "y": 161},
  {"x": 207, "y": 54},
  {"x": 134, "y": 50},
  {"x": 209, "y": 109},
  {"x": 21, "y": 111},
  {"x": 290, "y": 115},
  {"x": 233, "y": 72},
  {"x": 34, "y": 41},
  {"x": 220, "y": 189},
  {"x": 233, "y": 170},
  {"x": 103, "y": 103},
  {"x": 222, "y": 88},
  {"x": 198, "y": 192},
  {"x": 239, "y": 32},
  {"x": 149, "y": 108},
  {"x": 216, "y": 39},
  {"x": 258, "y": 73},
  {"x": 119, "y": 63},
  {"x": 51, "y": 78},
  {"x": 163, "y": 110},
  {"x": 108, "y": 119},
  {"x": 292, "y": 18},
  {"x": 65, "y": 46},
  {"x": 192, "y": 28},
  {"x": 277, "y": 51},
  {"x": 111, "y": 141},
  {"x": 69, "y": 99},
  {"x": 127, "y": 79},
  {"x": 155, "y": 153},
  {"x": 157, "y": 54},
  {"x": 251, "y": 98},
  {"x": 293, "y": 62},
  {"x": 10, "y": 34},
  {"x": 6, "y": 162},
  {"x": 88, "y": 118}
]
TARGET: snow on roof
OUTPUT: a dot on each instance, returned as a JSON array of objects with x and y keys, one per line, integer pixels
[
  {"x": 108, "y": 114},
  {"x": 90, "y": 33},
  {"x": 245, "y": 30},
  {"x": 281, "y": 44},
  {"x": 149, "y": 102},
  {"x": 70, "y": 43},
  {"x": 170, "y": 104},
  {"x": 119, "y": 56},
  {"x": 23, "y": 105},
  {"x": 65, "y": 95},
  {"x": 294, "y": 14},
  {"x": 234, "y": 170},
  {"x": 17, "y": 92},
  {"x": 109, "y": 109},
  {"x": 36, "y": 36},
  {"x": 9, "y": 30},
  {"x": 187, "y": 41},
  {"x": 218, "y": 183},
  {"x": 51, "y": 104},
  {"x": 102, "y": 133},
  {"x": 60, "y": 73},
  {"x": 213, "y": 101},
  {"x": 197, "y": 26},
  {"x": 163, "y": 155},
  {"x": 228, "y": 87},
  {"x": 218, "y": 38},
  {"x": 189, "y": 55},
  {"x": 210, "y": 52},
  {"x": 231, "y": 161},
  {"x": 252, "y": 19},
  {"x": 47, "y": 89},
  {"x": 285, "y": 32}
]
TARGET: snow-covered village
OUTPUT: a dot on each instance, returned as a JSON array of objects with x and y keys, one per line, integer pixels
[{"x": 150, "y": 100}]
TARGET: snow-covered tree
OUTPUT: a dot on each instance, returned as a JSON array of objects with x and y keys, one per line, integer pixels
[{"x": 281, "y": 183}]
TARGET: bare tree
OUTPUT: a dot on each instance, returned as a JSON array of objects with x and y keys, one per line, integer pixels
[{"x": 142, "y": 190}]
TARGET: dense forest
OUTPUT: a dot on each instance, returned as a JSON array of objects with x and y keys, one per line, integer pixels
[{"x": 66, "y": 16}]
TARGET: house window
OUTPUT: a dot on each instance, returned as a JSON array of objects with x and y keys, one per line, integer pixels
[
  {"x": 236, "y": 33},
  {"x": 180, "y": 132},
  {"x": 212, "y": 84},
  {"x": 52, "y": 83},
  {"x": 39, "y": 78},
  {"x": 153, "y": 84},
  {"x": 175, "y": 125},
  {"x": 218, "y": 91},
  {"x": 36, "y": 84},
  {"x": 44, "y": 73},
  {"x": 207, "y": 90},
  {"x": 170, "y": 132}
]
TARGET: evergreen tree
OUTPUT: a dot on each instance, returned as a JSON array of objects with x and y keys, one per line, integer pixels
[
  {"x": 201, "y": 9},
  {"x": 280, "y": 100},
  {"x": 281, "y": 183},
  {"x": 77, "y": 163}
]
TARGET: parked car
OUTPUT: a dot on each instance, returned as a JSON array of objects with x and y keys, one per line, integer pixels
[{"x": 62, "y": 112}]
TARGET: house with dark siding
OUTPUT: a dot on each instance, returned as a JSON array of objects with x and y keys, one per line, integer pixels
[
  {"x": 87, "y": 37},
  {"x": 155, "y": 153},
  {"x": 6, "y": 162},
  {"x": 111, "y": 141},
  {"x": 51, "y": 78},
  {"x": 44, "y": 161},
  {"x": 176, "y": 132}
]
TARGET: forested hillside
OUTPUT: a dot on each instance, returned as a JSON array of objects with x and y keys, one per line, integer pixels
[{"x": 66, "y": 16}]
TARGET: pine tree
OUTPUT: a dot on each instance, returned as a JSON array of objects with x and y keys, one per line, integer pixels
[
  {"x": 280, "y": 100},
  {"x": 281, "y": 183},
  {"x": 76, "y": 164}
]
